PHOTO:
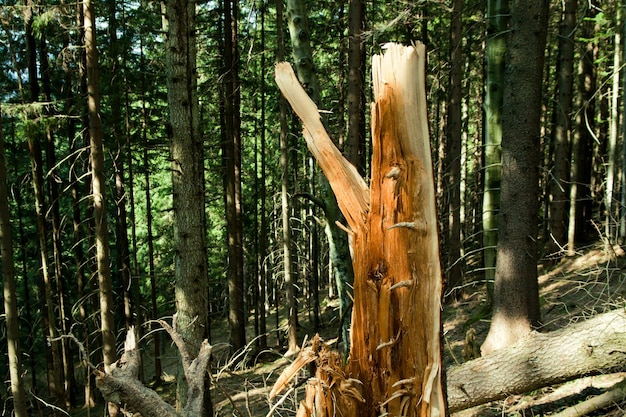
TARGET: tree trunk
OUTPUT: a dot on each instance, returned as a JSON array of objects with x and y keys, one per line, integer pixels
[
  {"x": 231, "y": 154},
  {"x": 516, "y": 293},
  {"x": 186, "y": 151},
  {"x": 562, "y": 130},
  {"x": 98, "y": 188},
  {"x": 591, "y": 347},
  {"x": 263, "y": 235},
  {"x": 582, "y": 139},
  {"x": 454, "y": 270},
  {"x": 34, "y": 147},
  {"x": 286, "y": 241},
  {"x": 395, "y": 358},
  {"x": 497, "y": 23},
  {"x": 57, "y": 247},
  {"x": 610, "y": 206},
  {"x": 354, "y": 148},
  {"x": 8, "y": 286},
  {"x": 338, "y": 246}
]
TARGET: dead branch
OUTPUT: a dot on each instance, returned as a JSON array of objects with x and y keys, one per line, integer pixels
[{"x": 614, "y": 395}]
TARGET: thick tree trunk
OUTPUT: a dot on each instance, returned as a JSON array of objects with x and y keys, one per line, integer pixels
[
  {"x": 395, "y": 360},
  {"x": 186, "y": 150},
  {"x": 516, "y": 293},
  {"x": 592, "y": 347}
]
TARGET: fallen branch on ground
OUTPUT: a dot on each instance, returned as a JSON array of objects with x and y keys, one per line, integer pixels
[{"x": 614, "y": 395}]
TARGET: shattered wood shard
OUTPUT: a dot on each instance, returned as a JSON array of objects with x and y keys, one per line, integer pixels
[{"x": 396, "y": 324}]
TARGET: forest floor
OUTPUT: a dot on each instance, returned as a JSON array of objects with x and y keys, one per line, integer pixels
[{"x": 578, "y": 287}]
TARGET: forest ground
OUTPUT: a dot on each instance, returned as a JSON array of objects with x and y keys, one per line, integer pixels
[{"x": 578, "y": 287}]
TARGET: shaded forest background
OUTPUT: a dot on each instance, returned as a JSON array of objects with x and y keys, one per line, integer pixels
[{"x": 256, "y": 171}]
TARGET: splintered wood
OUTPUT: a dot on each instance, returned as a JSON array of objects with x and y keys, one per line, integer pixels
[{"x": 396, "y": 324}]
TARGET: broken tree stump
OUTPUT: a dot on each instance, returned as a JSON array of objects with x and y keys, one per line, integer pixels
[{"x": 396, "y": 324}]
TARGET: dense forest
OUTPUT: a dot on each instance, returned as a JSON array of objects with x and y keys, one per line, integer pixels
[{"x": 153, "y": 177}]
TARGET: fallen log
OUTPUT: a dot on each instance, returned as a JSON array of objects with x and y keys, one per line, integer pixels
[{"x": 591, "y": 347}]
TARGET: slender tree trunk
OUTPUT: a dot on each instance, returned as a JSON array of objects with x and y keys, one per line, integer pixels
[
  {"x": 562, "y": 130},
  {"x": 582, "y": 141},
  {"x": 9, "y": 293},
  {"x": 186, "y": 151},
  {"x": 154, "y": 313},
  {"x": 338, "y": 245},
  {"x": 34, "y": 147},
  {"x": 622, "y": 211},
  {"x": 516, "y": 292},
  {"x": 262, "y": 253},
  {"x": 103, "y": 258},
  {"x": 232, "y": 155},
  {"x": 497, "y": 23},
  {"x": 612, "y": 155},
  {"x": 286, "y": 243},
  {"x": 354, "y": 148},
  {"x": 57, "y": 249},
  {"x": 83, "y": 263},
  {"x": 453, "y": 153},
  {"x": 30, "y": 341},
  {"x": 117, "y": 132}
]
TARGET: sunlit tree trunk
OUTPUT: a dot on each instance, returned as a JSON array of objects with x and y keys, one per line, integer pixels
[
  {"x": 186, "y": 151},
  {"x": 516, "y": 294},
  {"x": 9, "y": 293},
  {"x": 497, "y": 23},
  {"x": 622, "y": 211},
  {"x": 395, "y": 366},
  {"x": 98, "y": 188},
  {"x": 262, "y": 250},
  {"x": 612, "y": 153},
  {"x": 286, "y": 243}
]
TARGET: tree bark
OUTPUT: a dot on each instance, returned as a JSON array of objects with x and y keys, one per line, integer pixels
[
  {"x": 395, "y": 351},
  {"x": 516, "y": 293},
  {"x": 591, "y": 347}
]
